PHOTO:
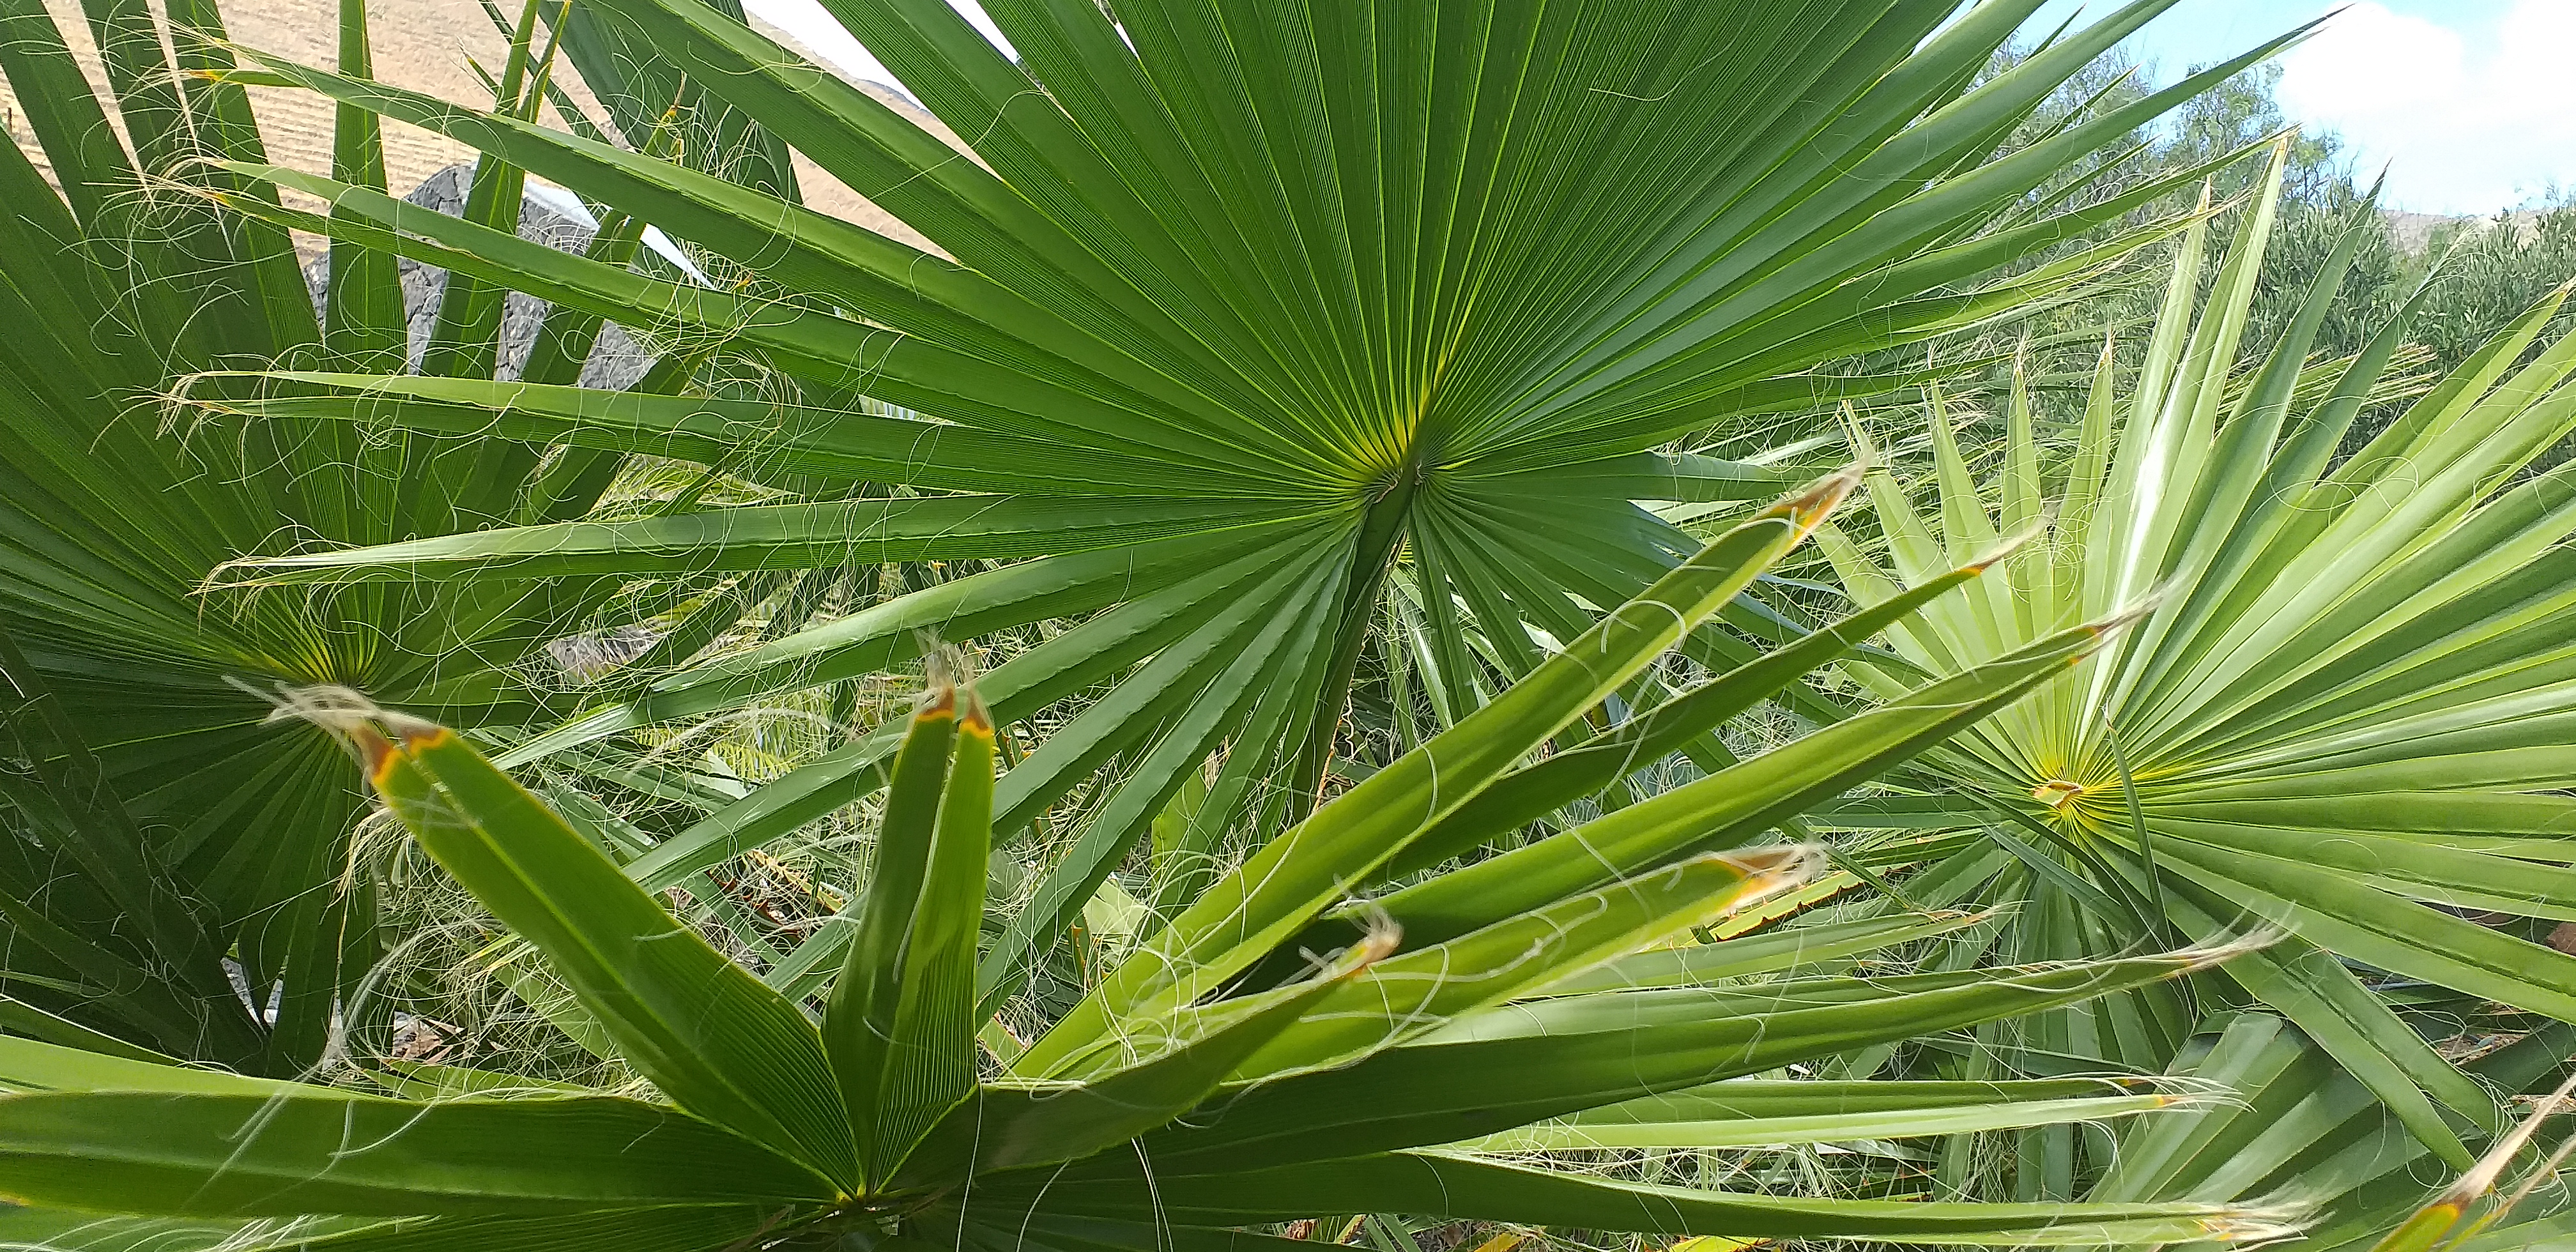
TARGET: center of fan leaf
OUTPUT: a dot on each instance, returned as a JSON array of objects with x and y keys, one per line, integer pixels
[{"x": 2057, "y": 793}]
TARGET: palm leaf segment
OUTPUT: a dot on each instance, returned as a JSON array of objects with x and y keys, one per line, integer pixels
[
  {"x": 161, "y": 828},
  {"x": 2299, "y": 1125},
  {"x": 1230, "y": 305},
  {"x": 2346, "y": 713},
  {"x": 1192, "y": 1093}
]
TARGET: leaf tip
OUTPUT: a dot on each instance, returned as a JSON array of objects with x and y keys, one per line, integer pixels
[
  {"x": 2207, "y": 956},
  {"x": 1380, "y": 936},
  {"x": 1808, "y": 509},
  {"x": 2103, "y": 628},
  {"x": 1770, "y": 871},
  {"x": 370, "y": 729},
  {"x": 940, "y": 701},
  {"x": 2005, "y": 547},
  {"x": 1375, "y": 946},
  {"x": 949, "y": 669},
  {"x": 2254, "y": 1226}
]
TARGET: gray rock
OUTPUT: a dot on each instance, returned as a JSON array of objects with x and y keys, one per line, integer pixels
[{"x": 616, "y": 360}]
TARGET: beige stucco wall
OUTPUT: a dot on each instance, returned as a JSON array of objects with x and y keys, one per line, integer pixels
[{"x": 423, "y": 45}]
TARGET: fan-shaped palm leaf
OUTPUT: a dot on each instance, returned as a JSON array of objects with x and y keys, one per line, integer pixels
[
  {"x": 161, "y": 827},
  {"x": 1230, "y": 303},
  {"x": 2287, "y": 1124},
  {"x": 2346, "y": 713}
]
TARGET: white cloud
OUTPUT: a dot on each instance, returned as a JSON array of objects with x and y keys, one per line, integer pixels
[
  {"x": 817, "y": 30},
  {"x": 2462, "y": 128}
]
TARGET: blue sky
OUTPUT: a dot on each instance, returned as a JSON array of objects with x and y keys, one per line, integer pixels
[{"x": 2471, "y": 104}]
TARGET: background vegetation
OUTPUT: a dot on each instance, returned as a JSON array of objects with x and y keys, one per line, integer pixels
[{"x": 1346, "y": 863}]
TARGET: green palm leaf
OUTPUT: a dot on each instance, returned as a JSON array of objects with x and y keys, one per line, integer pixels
[
  {"x": 1193, "y": 1085},
  {"x": 2299, "y": 1125},
  {"x": 224, "y": 836},
  {"x": 1325, "y": 276},
  {"x": 2343, "y": 713}
]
